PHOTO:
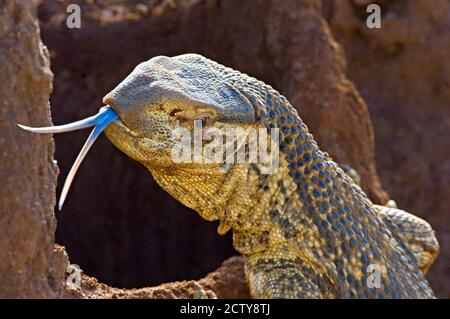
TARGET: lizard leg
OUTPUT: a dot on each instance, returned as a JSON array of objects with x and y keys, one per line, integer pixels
[
  {"x": 415, "y": 232},
  {"x": 272, "y": 277}
]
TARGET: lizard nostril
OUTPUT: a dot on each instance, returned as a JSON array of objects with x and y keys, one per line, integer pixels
[
  {"x": 107, "y": 99},
  {"x": 111, "y": 101}
]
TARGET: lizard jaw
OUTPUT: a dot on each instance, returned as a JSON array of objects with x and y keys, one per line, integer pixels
[{"x": 100, "y": 121}]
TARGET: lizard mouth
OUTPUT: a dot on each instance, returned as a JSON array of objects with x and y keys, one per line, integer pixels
[{"x": 100, "y": 121}]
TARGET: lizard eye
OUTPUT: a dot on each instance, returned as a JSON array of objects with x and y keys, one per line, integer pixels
[
  {"x": 200, "y": 121},
  {"x": 192, "y": 117}
]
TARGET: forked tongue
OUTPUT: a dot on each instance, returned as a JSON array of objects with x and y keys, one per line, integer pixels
[{"x": 99, "y": 121}]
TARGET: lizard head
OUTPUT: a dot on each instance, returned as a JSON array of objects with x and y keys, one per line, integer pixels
[
  {"x": 164, "y": 96},
  {"x": 166, "y": 102},
  {"x": 160, "y": 97}
]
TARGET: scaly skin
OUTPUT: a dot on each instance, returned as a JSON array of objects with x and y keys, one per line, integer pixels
[
  {"x": 413, "y": 231},
  {"x": 307, "y": 231},
  {"x": 416, "y": 233}
]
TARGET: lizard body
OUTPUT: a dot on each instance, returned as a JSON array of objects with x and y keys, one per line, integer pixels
[{"x": 307, "y": 231}]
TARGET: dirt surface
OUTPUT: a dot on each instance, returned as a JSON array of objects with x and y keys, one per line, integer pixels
[
  {"x": 27, "y": 170},
  {"x": 117, "y": 224},
  {"x": 403, "y": 72},
  {"x": 227, "y": 282}
]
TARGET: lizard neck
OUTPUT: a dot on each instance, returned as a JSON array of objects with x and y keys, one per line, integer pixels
[
  {"x": 332, "y": 225},
  {"x": 323, "y": 205}
]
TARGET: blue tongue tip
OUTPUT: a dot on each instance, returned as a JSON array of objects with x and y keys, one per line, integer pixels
[{"x": 102, "y": 119}]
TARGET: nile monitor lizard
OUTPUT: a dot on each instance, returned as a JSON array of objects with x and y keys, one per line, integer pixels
[{"x": 306, "y": 230}]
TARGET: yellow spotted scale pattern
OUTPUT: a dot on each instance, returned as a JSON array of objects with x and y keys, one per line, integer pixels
[{"x": 339, "y": 240}]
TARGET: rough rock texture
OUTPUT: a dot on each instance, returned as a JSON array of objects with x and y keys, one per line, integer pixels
[
  {"x": 227, "y": 282},
  {"x": 403, "y": 72},
  {"x": 118, "y": 225},
  {"x": 27, "y": 171}
]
